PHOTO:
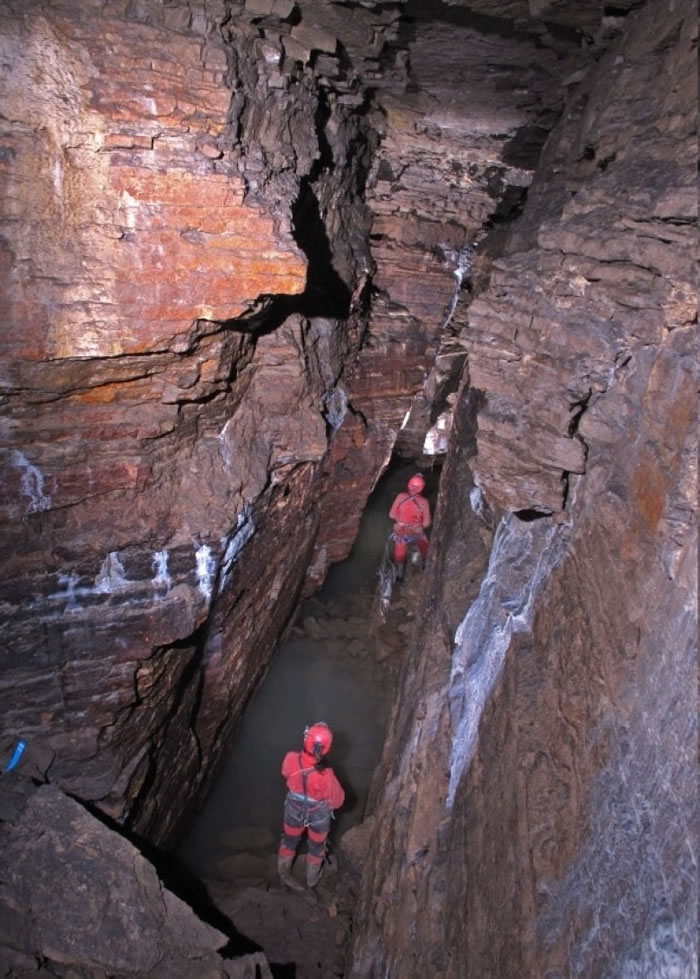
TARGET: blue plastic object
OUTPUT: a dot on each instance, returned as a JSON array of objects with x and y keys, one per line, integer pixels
[{"x": 14, "y": 761}]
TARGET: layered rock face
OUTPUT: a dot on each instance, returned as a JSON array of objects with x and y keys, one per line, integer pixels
[
  {"x": 233, "y": 247},
  {"x": 220, "y": 304},
  {"x": 538, "y": 810},
  {"x": 178, "y": 314},
  {"x": 461, "y": 117}
]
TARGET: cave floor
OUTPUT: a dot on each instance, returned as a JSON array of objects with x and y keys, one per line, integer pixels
[{"x": 305, "y": 933}]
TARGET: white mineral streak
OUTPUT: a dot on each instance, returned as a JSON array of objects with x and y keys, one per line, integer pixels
[
  {"x": 336, "y": 404},
  {"x": 225, "y": 445},
  {"x": 245, "y": 528},
  {"x": 111, "y": 576},
  {"x": 461, "y": 270},
  {"x": 205, "y": 569},
  {"x": 319, "y": 564},
  {"x": 69, "y": 582},
  {"x": 161, "y": 576},
  {"x": 32, "y": 483},
  {"x": 437, "y": 439},
  {"x": 476, "y": 499},
  {"x": 524, "y": 555}
]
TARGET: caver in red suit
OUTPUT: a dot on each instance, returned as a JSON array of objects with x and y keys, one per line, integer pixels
[
  {"x": 313, "y": 793},
  {"x": 411, "y": 515}
]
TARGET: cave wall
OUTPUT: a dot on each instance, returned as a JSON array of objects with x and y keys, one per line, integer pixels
[
  {"x": 184, "y": 262},
  {"x": 535, "y": 809},
  {"x": 222, "y": 300},
  {"x": 232, "y": 241},
  {"x": 127, "y": 500}
]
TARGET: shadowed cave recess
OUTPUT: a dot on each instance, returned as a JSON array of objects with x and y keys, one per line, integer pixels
[{"x": 261, "y": 261}]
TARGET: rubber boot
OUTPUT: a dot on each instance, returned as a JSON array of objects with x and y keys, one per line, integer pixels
[
  {"x": 400, "y": 570},
  {"x": 284, "y": 869},
  {"x": 313, "y": 873}
]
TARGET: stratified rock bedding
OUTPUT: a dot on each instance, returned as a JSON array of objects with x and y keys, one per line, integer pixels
[
  {"x": 220, "y": 302},
  {"x": 537, "y": 818},
  {"x": 184, "y": 250},
  {"x": 233, "y": 241}
]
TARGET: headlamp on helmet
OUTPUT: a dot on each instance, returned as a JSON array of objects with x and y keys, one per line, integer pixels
[
  {"x": 416, "y": 484},
  {"x": 318, "y": 739}
]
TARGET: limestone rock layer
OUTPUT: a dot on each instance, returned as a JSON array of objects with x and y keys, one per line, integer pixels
[
  {"x": 172, "y": 346},
  {"x": 247, "y": 250},
  {"x": 222, "y": 299},
  {"x": 537, "y": 815}
]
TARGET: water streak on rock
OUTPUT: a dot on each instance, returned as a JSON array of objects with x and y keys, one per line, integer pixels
[
  {"x": 161, "y": 577},
  {"x": 245, "y": 528}
]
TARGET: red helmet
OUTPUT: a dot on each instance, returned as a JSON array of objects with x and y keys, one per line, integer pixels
[
  {"x": 318, "y": 739},
  {"x": 416, "y": 484}
]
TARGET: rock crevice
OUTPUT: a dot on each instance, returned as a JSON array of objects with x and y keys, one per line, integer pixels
[{"x": 249, "y": 250}]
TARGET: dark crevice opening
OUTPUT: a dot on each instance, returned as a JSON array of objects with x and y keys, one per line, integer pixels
[
  {"x": 324, "y": 160},
  {"x": 192, "y": 673},
  {"x": 524, "y": 149},
  {"x": 509, "y": 207},
  {"x": 326, "y": 294},
  {"x": 606, "y": 161},
  {"x": 577, "y": 410},
  {"x": 609, "y": 10},
  {"x": 530, "y": 514}
]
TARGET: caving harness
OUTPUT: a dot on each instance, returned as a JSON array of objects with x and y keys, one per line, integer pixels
[
  {"x": 311, "y": 806},
  {"x": 413, "y": 536}
]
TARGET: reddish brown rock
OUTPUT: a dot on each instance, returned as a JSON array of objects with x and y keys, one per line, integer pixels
[
  {"x": 453, "y": 147},
  {"x": 197, "y": 401},
  {"x": 146, "y": 444},
  {"x": 114, "y": 218}
]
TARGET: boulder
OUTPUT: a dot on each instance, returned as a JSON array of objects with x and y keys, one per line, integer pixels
[{"x": 81, "y": 899}]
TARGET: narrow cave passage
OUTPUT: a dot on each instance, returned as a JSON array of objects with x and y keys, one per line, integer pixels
[
  {"x": 339, "y": 664},
  {"x": 239, "y": 237}
]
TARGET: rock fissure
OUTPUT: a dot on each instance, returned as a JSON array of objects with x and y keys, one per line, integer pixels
[{"x": 250, "y": 249}]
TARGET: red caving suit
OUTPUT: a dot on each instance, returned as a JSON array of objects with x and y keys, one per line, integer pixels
[
  {"x": 411, "y": 515},
  {"x": 312, "y": 795}
]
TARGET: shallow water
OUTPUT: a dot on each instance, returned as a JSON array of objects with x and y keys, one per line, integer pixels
[{"x": 335, "y": 679}]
